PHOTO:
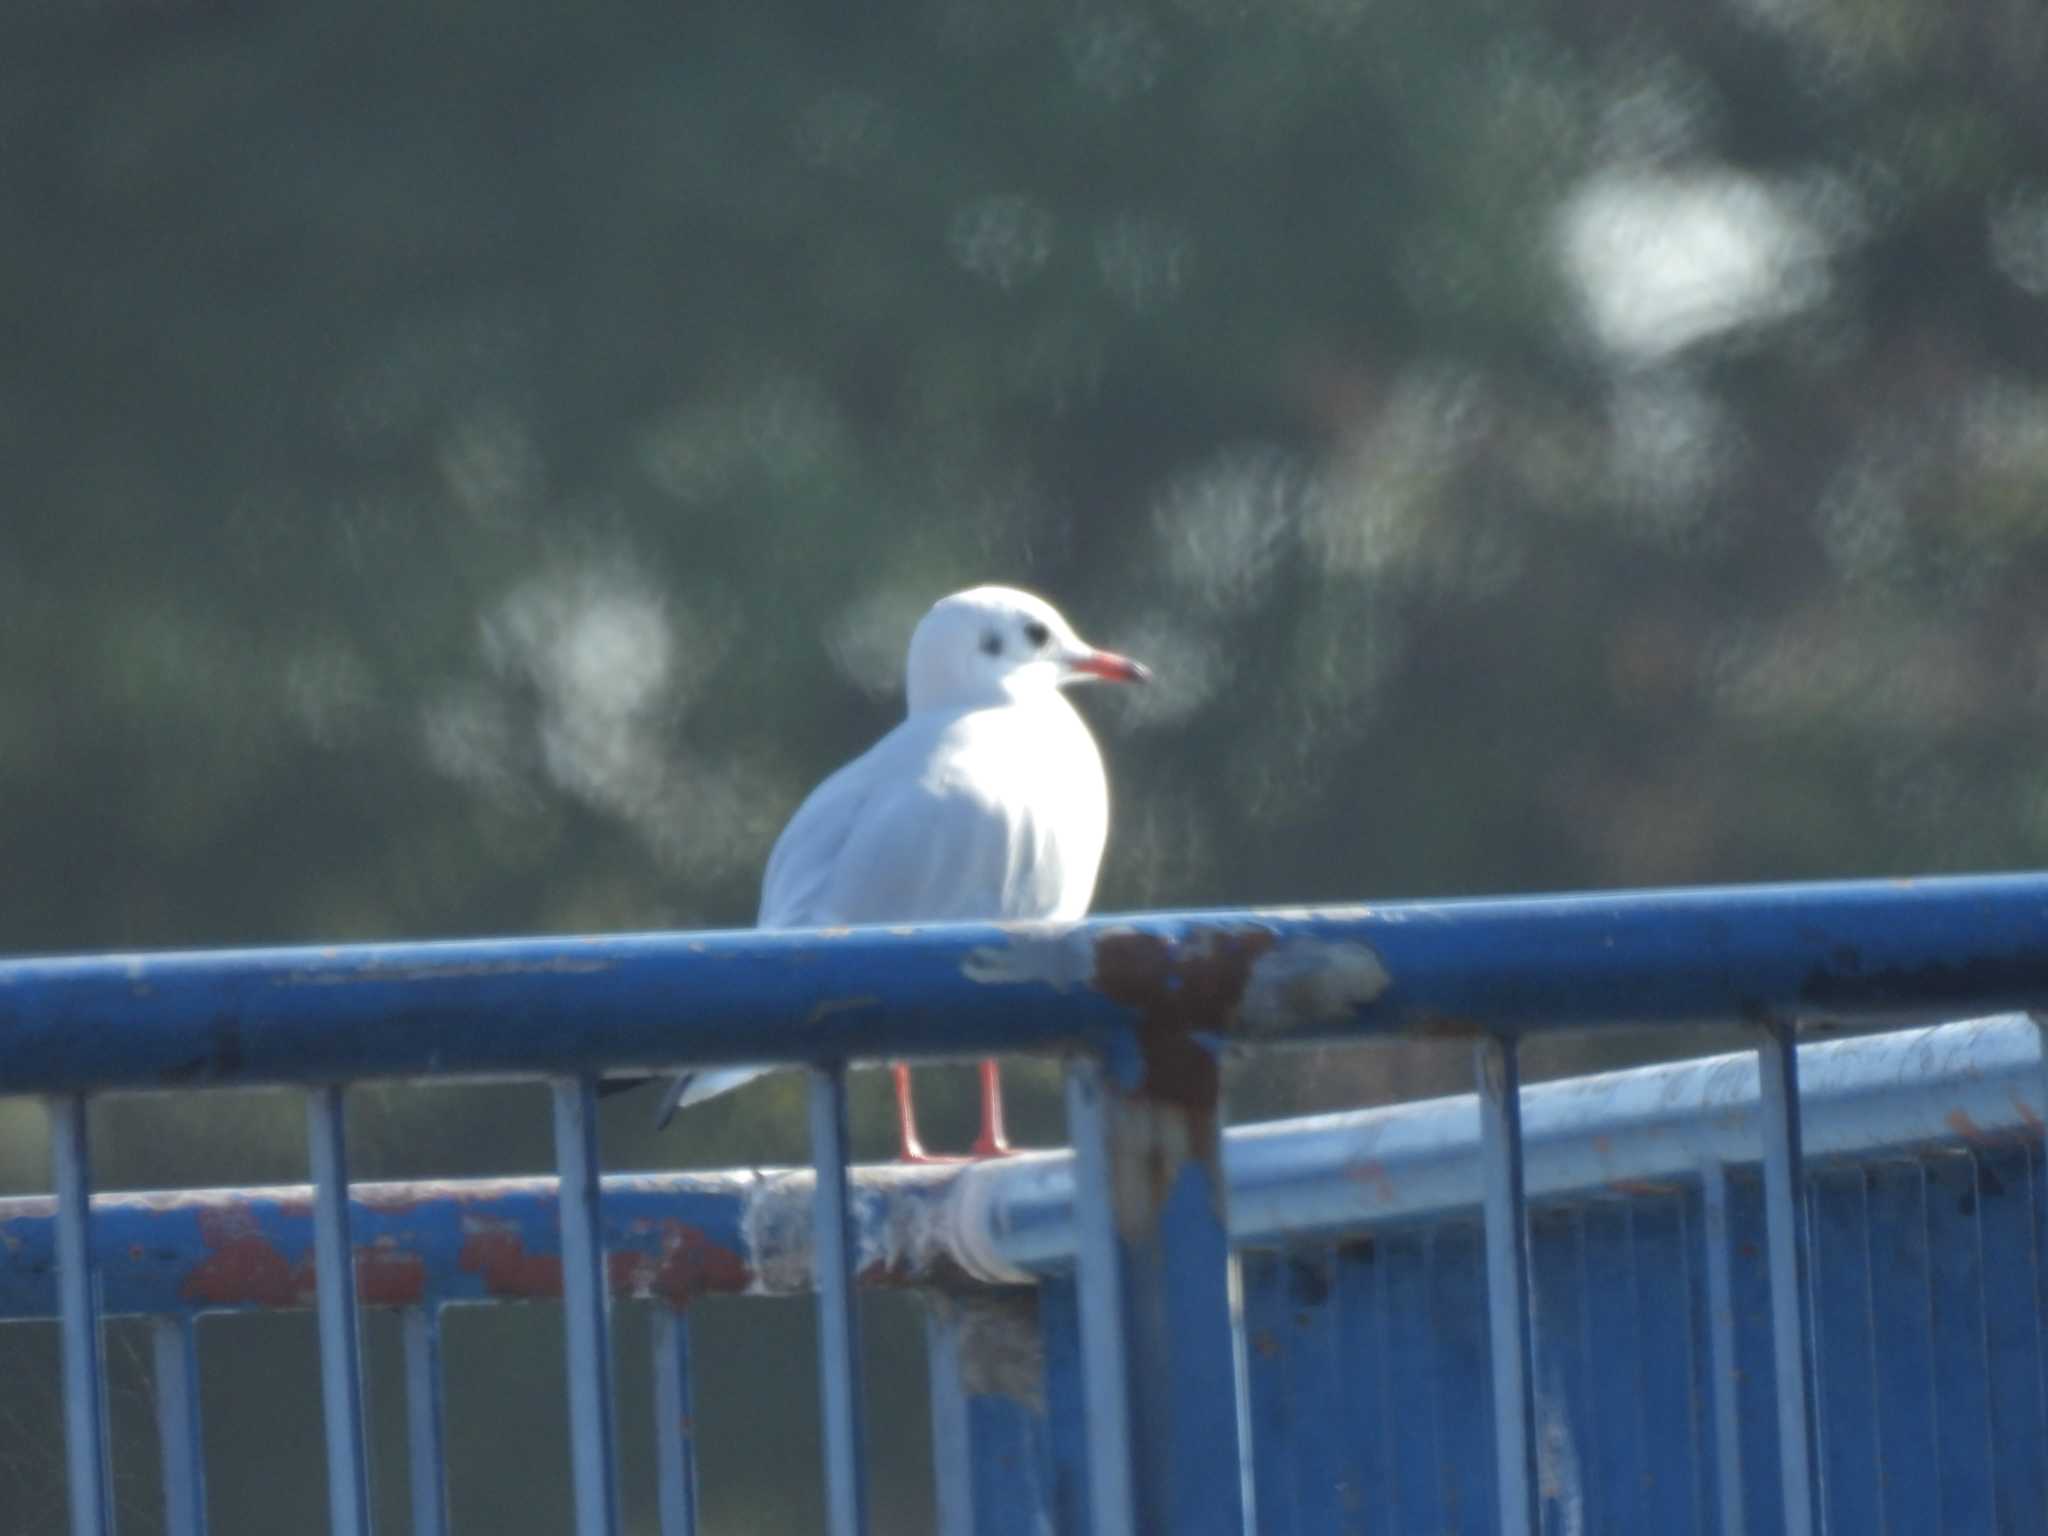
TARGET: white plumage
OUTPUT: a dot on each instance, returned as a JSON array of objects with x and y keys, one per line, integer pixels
[{"x": 987, "y": 802}]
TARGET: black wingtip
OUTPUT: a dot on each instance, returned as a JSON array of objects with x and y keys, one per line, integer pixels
[{"x": 672, "y": 1101}]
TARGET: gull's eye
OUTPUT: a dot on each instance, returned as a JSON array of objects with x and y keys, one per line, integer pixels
[
  {"x": 1037, "y": 634},
  {"x": 992, "y": 643}
]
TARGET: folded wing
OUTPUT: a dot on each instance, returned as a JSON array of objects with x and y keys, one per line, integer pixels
[{"x": 931, "y": 825}]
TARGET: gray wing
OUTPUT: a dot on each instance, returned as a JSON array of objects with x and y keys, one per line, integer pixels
[
  {"x": 936, "y": 852},
  {"x": 794, "y": 885},
  {"x": 797, "y": 888},
  {"x": 917, "y": 830},
  {"x": 695, "y": 1087},
  {"x": 901, "y": 835}
]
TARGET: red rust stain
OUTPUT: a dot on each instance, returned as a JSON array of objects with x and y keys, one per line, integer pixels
[
  {"x": 1179, "y": 993},
  {"x": 687, "y": 1265},
  {"x": 1265, "y": 1344},
  {"x": 2028, "y": 1114},
  {"x": 248, "y": 1271},
  {"x": 495, "y": 1251},
  {"x": 630, "y": 1272},
  {"x": 386, "y": 1277},
  {"x": 1446, "y": 1026},
  {"x": 242, "y": 1267},
  {"x": 1374, "y": 1176},
  {"x": 1959, "y": 1121}
]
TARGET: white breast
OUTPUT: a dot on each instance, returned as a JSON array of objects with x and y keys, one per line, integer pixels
[{"x": 981, "y": 814}]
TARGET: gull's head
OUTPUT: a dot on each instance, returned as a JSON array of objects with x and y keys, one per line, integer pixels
[{"x": 994, "y": 645}]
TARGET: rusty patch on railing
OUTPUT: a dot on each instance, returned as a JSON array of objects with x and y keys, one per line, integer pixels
[
  {"x": 497, "y": 1252},
  {"x": 687, "y": 1265},
  {"x": 1188, "y": 998},
  {"x": 1446, "y": 1026},
  {"x": 386, "y": 1276},
  {"x": 1179, "y": 993},
  {"x": 2027, "y": 1113},
  {"x": 245, "y": 1268},
  {"x": 1966, "y": 1127},
  {"x": 242, "y": 1267}
]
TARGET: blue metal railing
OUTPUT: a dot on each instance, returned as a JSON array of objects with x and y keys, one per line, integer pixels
[{"x": 1176, "y": 1396}]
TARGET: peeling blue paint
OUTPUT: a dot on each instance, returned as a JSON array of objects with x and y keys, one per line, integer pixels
[{"x": 1869, "y": 952}]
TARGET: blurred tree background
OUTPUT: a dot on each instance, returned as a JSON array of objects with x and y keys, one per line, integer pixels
[{"x": 471, "y": 467}]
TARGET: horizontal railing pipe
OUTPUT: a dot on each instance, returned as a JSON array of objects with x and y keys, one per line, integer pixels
[
  {"x": 671, "y": 1237},
  {"x": 1322, "y": 1176},
  {"x": 1888, "y": 952}
]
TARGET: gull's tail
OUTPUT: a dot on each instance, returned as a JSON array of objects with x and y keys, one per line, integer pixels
[{"x": 696, "y": 1087}]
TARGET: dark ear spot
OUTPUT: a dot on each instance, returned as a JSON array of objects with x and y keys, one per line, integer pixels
[{"x": 991, "y": 643}]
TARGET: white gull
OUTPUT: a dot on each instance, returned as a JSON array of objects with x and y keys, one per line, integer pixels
[{"x": 987, "y": 803}]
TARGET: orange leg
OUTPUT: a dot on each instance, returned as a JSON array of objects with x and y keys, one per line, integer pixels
[
  {"x": 992, "y": 1142},
  {"x": 911, "y": 1150}
]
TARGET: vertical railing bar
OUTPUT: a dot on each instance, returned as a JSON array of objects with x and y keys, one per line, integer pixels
[
  {"x": 2033, "y": 1195},
  {"x": 341, "y": 1363},
  {"x": 1721, "y": 1344},
  {"x": 1154, "y": 1279},
  {"x": 1241, "y": 1365},
  {"x": 953, "y": 1469},
  {"x": 426, "y": 1438},
  {"x": 1790, "y": 1271},
  {"x": 838, "y": 1319},
  {"x": 675, "y": 1424},
  {"x": 1382, "y": 1299},
  {"x": 176, "y": 1350},
  {"x": 1640, "y": 1472},
  {"x": 2035, "y": 1170},
  {"x": 1987, "y": 1351},
  {"x": 1594, "y": 1434},
  {"x": 1507, "y": 1283},
  {"x": 1696, "y": 1370},
  {"x": 85, "y": 1378},
  {"x": 1866, "y": 1189},
  {"x": 1099, "y": 1282},
  {"x": 592, "y": 1442},
  {"x": 1434, "y": 1344},
  {"x": 1935, "y": 1396}
]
